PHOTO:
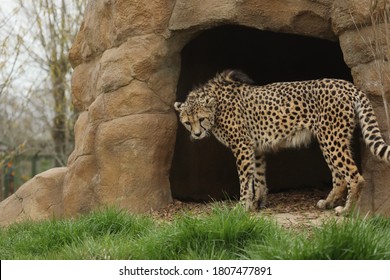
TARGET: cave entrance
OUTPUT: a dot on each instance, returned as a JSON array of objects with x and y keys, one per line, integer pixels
[{"x": 205, "y": 170}]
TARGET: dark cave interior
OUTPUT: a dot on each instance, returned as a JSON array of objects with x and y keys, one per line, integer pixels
[{"x": 205, "y": 170}]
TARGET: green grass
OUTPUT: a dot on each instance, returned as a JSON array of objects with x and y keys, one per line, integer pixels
[
  {"x": 351, "y": 239},
  {"x": 226, "y": 233}
]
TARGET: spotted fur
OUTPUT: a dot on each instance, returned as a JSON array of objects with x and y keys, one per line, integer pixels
[{"x": 252, "y": 120}]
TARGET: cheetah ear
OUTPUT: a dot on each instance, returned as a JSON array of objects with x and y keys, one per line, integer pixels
[
  {"x": 237, "y": 76},
  {"x": 177, "y": 106}
]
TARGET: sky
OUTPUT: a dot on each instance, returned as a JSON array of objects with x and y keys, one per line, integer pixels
[{"x": 8, "y": 5}]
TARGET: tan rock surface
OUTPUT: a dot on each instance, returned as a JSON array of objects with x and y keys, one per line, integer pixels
[
  {"x": 363, "y": 45},
  {"x": 83, "y": 94},
  {"x": 302, "y": 17},
  {"x": 373, "y": 77},
  {"x": 79, "y": 186},
  {"x": 134, "y": 162},
  {"x": 347, "y": 14},
  {"x": 40, "y": 198}
]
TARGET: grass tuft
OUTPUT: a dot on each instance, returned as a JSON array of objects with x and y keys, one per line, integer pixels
[
  {"x": 223, "y": 234},
  {"x": 351, "y": 239}
]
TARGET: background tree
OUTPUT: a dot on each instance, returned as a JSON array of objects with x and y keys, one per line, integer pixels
[
  {"x": 35, "y": 80},
  {"x": 36, "y": 114},
  {"x": 55, "y": 24}
]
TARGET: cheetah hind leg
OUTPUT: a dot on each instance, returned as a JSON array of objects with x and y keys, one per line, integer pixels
[
  {"x": 355, "y": 186},
  {"x": 344, "y": 172},
  {"x": 336, "y": 195}
]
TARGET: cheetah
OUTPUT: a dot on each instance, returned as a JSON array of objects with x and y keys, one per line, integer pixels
[{"x": 254, "y": 120}]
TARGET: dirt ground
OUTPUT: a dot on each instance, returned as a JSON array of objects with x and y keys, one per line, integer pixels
[{"x": 292, "y": 209}]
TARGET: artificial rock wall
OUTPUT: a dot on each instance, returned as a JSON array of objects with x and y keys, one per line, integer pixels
[{"x": 126, "y": 60}]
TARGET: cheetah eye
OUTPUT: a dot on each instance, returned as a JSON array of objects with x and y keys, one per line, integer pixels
[
  {"x": 187, "y": 123},
  {"x": 201, "y": 119}
]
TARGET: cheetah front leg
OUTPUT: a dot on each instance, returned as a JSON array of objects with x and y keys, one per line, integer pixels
[{"x": 245, "y": 160}]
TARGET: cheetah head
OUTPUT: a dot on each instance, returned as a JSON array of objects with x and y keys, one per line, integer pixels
[{"x": 197, "y": 115}]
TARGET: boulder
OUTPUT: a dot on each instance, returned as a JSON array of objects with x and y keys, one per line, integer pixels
[
  {"x": 83, "y": 94},
  {"x": 80, "y": 185},
  {"x": 134, "y": 163},
  {"x": 373, "y": 77},
  {"x": 39, "y": 198}
]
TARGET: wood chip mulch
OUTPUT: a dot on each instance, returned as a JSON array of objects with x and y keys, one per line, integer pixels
[{"x": 294, "y": 208}]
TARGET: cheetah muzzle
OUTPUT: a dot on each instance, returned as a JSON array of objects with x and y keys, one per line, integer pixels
[{"x": 253, "y": 120}]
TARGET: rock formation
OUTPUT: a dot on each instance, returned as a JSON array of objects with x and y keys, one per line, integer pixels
[{"x": 126, "y": 60}]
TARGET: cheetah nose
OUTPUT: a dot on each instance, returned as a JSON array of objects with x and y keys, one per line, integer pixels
[{"x": 197, "y": 134}]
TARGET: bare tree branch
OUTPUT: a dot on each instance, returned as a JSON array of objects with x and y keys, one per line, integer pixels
[{"x": 37, "y": 47}]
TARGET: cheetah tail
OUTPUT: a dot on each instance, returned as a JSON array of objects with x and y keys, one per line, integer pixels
[{"x": 370, "y": 129}]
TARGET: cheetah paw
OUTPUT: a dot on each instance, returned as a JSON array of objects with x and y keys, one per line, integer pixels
[
  {"x": 321, "y": 204},
  {"x": 249, "y": 206},
  {"x": 339, "y": 210},
  {"x": 240, "y": 204}
]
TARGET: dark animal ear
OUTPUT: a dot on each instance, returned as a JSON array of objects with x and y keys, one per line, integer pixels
[
  {"x": 177, "y": 106},
  {"x": 237, "y": 76}
]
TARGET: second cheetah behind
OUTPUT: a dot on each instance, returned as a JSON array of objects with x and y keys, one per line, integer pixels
[{"x": 252, "y": 120}]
